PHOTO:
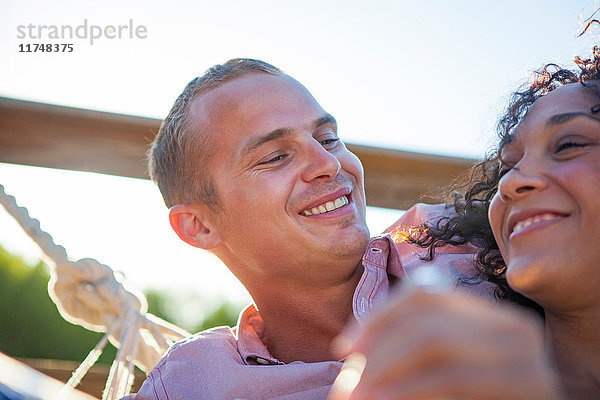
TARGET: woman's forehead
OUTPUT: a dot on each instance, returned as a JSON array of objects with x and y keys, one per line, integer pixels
[
  {"x": 572, "y": 97},
  {"x": 564, "y": 101}
]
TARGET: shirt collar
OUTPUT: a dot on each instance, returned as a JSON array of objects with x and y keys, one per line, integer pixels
[
  {"x": 251, "y": 338},
  {"x": 383, "y": 253},
  {"x": 380, "y": 259}
]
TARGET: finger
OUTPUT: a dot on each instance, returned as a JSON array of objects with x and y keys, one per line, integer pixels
[
  {"x": 348, "y": 378},
  {"x": 415, "y": 348},
  {"x": 387, "y": 364},
  {"x": 469, "y": 383},
  {"x": 405, "y": 308},
  {"x": 411, "y": 308},
  {"x": 426, "y": 279}
]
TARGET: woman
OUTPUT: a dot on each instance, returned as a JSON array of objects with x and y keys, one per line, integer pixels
[
  {"x": 541, "y": 192},
  {"x": 471, "y": 223},
  {"x": 545, "y": 217},
  {"x": 533, "y": 207}
]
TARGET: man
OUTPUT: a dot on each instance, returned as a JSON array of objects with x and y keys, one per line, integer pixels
[{"x": 253, "y": 170}]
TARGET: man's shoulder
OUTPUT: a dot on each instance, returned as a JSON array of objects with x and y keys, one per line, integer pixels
[
  {"x": 188, "y": 370},
  {"x": 211, "y": 341}
]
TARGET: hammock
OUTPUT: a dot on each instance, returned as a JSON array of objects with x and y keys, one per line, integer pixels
[{"x": 92, "y": 295}]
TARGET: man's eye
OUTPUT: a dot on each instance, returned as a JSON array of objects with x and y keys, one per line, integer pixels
[
  {"x": 273, "y": 159},
  {"x": 329, "y": 141}
]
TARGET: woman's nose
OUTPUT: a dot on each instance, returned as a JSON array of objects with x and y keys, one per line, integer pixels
[{"x": 520, "y": 181}]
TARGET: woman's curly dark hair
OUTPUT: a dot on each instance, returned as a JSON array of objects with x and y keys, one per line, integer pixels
[{"x": 471, "y": 199}]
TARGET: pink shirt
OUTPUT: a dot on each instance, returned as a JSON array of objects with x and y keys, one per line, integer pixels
[{"x": 233, "y": 363}]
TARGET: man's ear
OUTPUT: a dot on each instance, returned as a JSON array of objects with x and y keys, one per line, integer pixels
[{"x": 195, "y": 226}]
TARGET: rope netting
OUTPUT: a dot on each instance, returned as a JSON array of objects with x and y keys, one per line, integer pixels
[{"x": 92, "y": 295}]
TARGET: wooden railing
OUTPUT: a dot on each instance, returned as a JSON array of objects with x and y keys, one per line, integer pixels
[
  {"x": 94, "y": 381},
  {"x": 70, "y": 138}
]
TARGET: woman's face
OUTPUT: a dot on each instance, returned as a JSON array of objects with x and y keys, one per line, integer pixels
[{"x": 546, "y": 213}]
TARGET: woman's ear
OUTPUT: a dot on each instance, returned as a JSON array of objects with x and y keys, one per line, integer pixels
[{"x": 195, "y": 226}]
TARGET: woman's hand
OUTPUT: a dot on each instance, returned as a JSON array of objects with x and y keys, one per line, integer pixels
[{"x": 425, "y": 345}]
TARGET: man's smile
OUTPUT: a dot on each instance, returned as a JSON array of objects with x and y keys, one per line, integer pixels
[{"x": 327, "y": 206}]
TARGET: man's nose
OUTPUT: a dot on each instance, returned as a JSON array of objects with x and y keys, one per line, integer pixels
[
  {"x": 521, "y": 181},
  {"x": 319, "y": 163}
]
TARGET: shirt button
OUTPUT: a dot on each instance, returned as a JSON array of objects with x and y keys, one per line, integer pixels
[
  {"x": 262, "y": 361},
  {"x": 362, "y": 305}
]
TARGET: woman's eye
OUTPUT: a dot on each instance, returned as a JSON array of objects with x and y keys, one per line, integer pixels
[
  {"x": 567, "y": 145},
  {"x": 505, "y": 167},
  {"x": 571, "y": 141},
  {"x": 503, "y": 171}
]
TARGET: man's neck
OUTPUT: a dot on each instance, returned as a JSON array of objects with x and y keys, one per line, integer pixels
[{"x": 301, "y": 322}]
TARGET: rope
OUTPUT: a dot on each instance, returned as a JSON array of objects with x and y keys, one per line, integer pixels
[
  {"x": 85, "y": 366},
  {"x": 92, "y": 295}
]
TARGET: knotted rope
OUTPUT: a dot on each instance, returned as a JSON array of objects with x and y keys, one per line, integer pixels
[{"x": 92, "y": 295}]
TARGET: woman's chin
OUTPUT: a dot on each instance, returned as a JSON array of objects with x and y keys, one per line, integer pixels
[
  {"x": 543, "y": 284},
  {"x": 527, "y": 279}
]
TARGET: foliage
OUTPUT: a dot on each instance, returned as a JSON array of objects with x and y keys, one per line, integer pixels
[
  {"x": 158, "y": 304},
  {"x": 224, "y": 314},
  {"x": 31, "y": 327},
  {"x": 165, "y": 306}
]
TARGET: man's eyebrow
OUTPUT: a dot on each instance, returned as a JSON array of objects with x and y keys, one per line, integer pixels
[
  {"x": 324, "y": 120},
  {"x": 255, "y": 143},
  {"x": 558, "y": 119},
  {"x": 279, "y": 133}
]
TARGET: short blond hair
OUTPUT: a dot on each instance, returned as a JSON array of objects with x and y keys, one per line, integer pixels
[{"x": 178, "y": 157}]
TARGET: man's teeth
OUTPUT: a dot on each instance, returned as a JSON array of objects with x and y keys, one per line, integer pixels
[
  {"x": 328, "y": 206},
  {"x": 538, "y": 218}
]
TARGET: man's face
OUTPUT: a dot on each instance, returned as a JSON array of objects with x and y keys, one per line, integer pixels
[{"x": 291, "y": 193}]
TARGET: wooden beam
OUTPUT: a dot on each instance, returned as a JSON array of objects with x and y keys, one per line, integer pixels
[
  {"x": 70, "y": 138},
  {"x": 94, "y": 381},
  {"x": 398, "y": 179},
  {"x": 52, "y": 136}
]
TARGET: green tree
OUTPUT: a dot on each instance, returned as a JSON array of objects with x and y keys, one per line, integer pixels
[
  {"x": 161, "y": 304},
  {"x": 224, "y": 314},
  {"x": 30, "y": 324}
]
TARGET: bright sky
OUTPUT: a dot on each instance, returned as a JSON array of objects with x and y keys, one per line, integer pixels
[{"x": 426, "y": 76}]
